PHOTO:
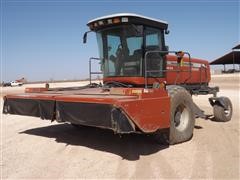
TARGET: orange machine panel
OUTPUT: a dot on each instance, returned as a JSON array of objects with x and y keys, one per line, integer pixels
[{"x": 194, "y": 72}]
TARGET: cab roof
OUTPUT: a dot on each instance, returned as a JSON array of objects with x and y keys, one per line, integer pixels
[{"x": 129, "y": 18}]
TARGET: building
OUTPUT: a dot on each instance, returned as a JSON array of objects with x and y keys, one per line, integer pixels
[{"x": 231, "y": 58}]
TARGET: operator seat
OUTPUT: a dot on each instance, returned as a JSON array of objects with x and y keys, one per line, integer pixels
[
  {"x": 154, "y": 61},
  {"x": 132, "y": 65}
]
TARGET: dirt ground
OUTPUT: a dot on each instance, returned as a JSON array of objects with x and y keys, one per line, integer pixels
[{"x": 33, "y": 148}]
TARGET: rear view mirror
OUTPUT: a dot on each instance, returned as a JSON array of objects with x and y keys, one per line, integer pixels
[
  {"x": 85, "y": 36},
  {"x": 167, "y": 31}
]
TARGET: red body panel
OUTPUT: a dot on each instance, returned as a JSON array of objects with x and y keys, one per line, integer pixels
[
  {"x": 200, "y": 73},
  {"x": 149, "y": 113},
  {"x": 148, "y": 110}
]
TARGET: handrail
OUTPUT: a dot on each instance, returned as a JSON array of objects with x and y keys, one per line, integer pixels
[
  {"x": 146, "y": 71},
  {"x": 90, "y": 68}
]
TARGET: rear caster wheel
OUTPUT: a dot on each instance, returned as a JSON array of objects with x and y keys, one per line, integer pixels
[{"x": 221, "y": 113}]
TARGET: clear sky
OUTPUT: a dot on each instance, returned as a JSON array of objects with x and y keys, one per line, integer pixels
[{"x": 42, "y": 40}]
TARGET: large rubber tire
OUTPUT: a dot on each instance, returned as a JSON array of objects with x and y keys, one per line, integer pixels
[
  {"x": 222, "y": 114},
  {"x": 182, "y": 118}
]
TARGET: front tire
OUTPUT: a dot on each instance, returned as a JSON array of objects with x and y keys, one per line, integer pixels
[{"x": 182, "y": 118}]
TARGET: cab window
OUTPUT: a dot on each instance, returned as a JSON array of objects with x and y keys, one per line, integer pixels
[{"x": 153, "y": 42}]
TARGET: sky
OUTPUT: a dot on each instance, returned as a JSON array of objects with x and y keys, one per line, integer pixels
[{"x": 42, "y": 40}]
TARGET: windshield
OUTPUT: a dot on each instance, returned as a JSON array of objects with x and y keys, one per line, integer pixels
[{"x": 121, "y": 50}]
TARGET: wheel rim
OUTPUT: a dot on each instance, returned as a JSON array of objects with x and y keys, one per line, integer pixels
[
  {"x": 227, "y": 111},
  {"x": 181, "y": 117}
]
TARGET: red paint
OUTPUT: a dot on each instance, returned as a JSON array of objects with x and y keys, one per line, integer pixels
[
  {"x": 148, "y": 109},
  {"x": 170, "y": 78}
]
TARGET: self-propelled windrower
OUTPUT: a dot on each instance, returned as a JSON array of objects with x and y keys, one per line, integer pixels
[{"x": 146, "y": 88}]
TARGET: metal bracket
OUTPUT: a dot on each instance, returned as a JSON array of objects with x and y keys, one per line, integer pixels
[{"x": 90, "y": 68}]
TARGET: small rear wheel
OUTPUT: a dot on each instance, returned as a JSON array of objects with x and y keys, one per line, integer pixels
[{"x": 221, "y": 113}]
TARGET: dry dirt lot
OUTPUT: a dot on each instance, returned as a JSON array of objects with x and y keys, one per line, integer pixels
[{"x": 33, "y": 148}]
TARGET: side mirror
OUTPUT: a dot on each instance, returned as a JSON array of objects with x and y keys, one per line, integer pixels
[
  {"x": 167, "y": 31},
  {"x": 85, "y": 37}
]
